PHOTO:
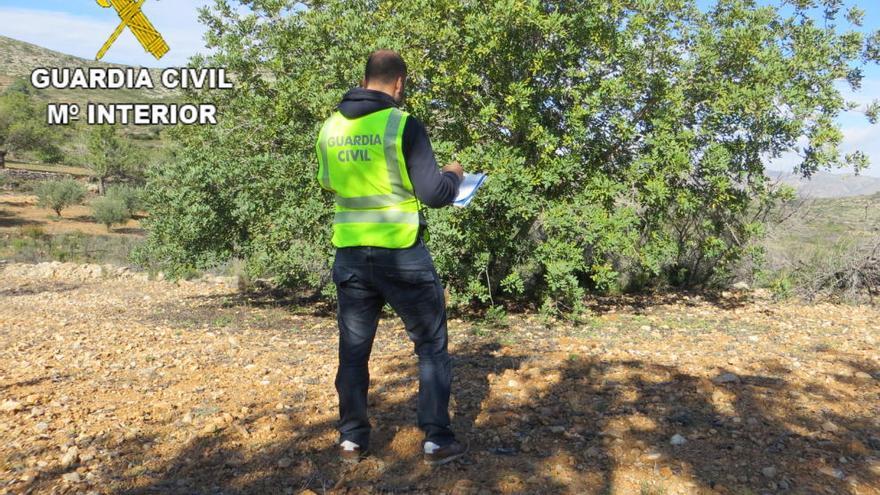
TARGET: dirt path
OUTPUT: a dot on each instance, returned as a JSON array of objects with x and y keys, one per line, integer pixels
[{"x": 129, "y": 386}]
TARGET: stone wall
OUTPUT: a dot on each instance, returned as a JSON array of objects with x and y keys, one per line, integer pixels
[
  {"x": 57, "y": 270},
  {"x": 14, "y": 173}
]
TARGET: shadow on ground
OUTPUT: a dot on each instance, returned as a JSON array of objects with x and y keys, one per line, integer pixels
[
  {"x": 11, "y": 220},
  {"x": 539, "y": 422}
]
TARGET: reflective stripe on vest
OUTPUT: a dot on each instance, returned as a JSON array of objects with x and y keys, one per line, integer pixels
[
  {"x": 361, "y": 161},
  {"x": 376, "y": 216}
]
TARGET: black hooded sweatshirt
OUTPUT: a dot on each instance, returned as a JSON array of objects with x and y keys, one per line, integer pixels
[{"x": 431, "y": 186}]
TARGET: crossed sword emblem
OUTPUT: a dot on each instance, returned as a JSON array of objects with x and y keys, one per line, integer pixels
[{"x": 130, "y": 13}]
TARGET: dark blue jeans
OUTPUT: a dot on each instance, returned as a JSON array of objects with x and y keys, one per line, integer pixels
[{"x": 366, "y": 278}]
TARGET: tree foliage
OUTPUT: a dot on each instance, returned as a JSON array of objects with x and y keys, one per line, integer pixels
[
  {"x": 23, "y": 125},
  {"x": 60, "y": 194},
  {"x": 130, "y": 197},
  {"x": 109, "y": 155},
  {"x": 109, "y": 210},
  {"x": 625, "y": 140}
]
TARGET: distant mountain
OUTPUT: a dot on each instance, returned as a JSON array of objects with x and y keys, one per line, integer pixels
[
  {"x": 18, "y": 59},
  {"x": 828, "y": 185}
]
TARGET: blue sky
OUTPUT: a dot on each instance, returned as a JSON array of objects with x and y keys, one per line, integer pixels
[{"x": 80, "y": 27}]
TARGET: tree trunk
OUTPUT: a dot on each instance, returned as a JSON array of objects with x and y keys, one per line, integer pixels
[{"x": 101, "y": 186}]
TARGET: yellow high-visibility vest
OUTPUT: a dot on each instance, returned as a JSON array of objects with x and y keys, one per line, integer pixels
[{"x": 361, "y": 161}]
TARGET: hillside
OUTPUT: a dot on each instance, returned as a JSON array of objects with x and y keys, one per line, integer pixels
[
  {"x": 18, "y": 59},
  {"x": 825, "y": 221},
  {"x": 828, "y": 185}
]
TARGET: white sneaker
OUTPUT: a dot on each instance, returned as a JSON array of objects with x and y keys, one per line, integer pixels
[{"x": 350, "y": 452}]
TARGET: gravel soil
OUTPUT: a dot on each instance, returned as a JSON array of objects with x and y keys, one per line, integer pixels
[{"x": 124, "y": 385}]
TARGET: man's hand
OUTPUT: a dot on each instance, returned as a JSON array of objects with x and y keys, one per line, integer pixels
[{"x": 455, "y": 167}]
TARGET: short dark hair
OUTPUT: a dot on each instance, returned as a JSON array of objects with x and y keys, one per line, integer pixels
[{"x": 384, "y": 66}]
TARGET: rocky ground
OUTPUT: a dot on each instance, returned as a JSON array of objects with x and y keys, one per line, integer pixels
[{"x": 114, "y": 383}]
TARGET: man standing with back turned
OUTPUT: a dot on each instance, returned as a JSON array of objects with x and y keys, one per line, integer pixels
[{"x": 378, "y": 162}]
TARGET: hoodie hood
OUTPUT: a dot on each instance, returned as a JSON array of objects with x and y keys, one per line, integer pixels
[{"x": 359, "y": 102}]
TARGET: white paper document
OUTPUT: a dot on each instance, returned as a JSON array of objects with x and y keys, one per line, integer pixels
[{"x": 468, "y": 189}]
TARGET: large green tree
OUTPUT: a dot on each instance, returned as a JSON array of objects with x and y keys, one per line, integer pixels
[{"x": 625, "y": 140}]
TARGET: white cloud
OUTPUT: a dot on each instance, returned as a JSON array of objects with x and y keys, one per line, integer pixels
[
  {"x": 869, "y": 91},
  {"x": 864, "y": 137},
  {"x": 858, "y": 134},
  {"x": 83, "y": 36}
]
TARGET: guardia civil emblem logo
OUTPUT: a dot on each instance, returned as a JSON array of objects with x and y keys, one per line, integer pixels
[{"x": 132, "y": 17}]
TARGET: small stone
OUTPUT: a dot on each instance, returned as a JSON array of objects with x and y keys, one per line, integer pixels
[
  {"x": 830, "y": 427},
  {"x": 41, "y": 427},
  {"x": 557, "y": 429},
  {"x": 861, "y": 375},
  {"x": 645, "y": 328},
  {"x": 769, "y": 471},
  {"x": 187, "y": 418},
  {"x": 726, "y": 378},
  {"x": 73, "y": 477},
  {"x": 858, "y": 447},
  {"x": 69, "y": 458},
  {"x": 833, "y": 472},
  {"x": 10, "y": 406},
  {"x": 677, "y": 440},
  {"x": 285, "y": 462},
  {"x": 741, "y": 286},
  {"x": 652, "y": 456},
  {"x": 463, "y": 487}
]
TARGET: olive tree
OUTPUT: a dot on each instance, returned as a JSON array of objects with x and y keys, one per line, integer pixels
[{"x": 60, "y": 194}]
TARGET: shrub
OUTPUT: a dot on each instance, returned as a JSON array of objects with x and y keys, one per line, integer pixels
[
  {"x": 74, "y": 247},
  {"x": 129, "y": 196},
  {"x": 61, "y": 194},
  {"x": 110, "y": 211},
  {"x": 50, "y": 153}
]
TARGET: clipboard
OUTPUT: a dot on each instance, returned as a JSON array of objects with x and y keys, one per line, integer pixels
[{"x": 468, "y": 188}]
